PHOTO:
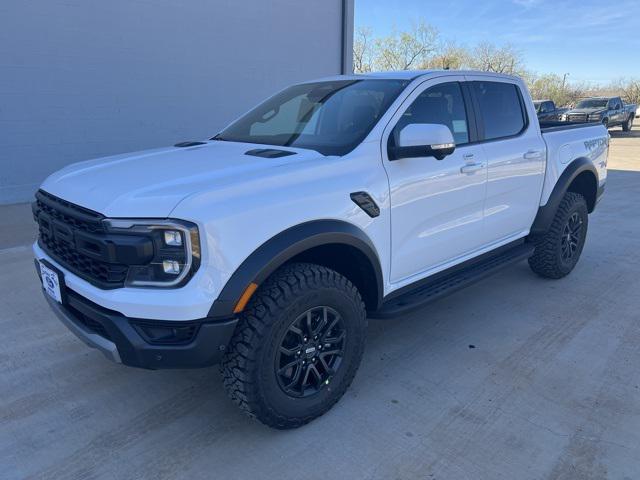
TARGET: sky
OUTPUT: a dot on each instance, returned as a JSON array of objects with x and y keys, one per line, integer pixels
[{"x": 595, "y": 41}]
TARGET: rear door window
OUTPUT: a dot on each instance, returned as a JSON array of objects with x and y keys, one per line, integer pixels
[{"x": 501, "y": 109}]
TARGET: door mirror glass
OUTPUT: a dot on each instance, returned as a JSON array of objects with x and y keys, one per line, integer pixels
[{"x": 424, "y": 140}]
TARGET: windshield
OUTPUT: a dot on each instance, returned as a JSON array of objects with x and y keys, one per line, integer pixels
[
  {"x": 593, "y": 103},
  {"x": 330, "y": 117},
  {"x": 537, "y": 105}
]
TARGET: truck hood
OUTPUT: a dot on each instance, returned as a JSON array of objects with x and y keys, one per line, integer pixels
[{"x": 152, "y": 182}]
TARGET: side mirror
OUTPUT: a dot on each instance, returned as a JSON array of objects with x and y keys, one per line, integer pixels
[{"x": 423, "y": 140}]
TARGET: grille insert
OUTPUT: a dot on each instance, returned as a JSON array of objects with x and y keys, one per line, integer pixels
[
  {"x": 577, "y": 117},
  {"x": 69, "y": 214},
  {"x": 57, "y": 221}
]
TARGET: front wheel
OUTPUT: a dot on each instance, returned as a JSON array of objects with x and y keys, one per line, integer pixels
[
  {"x": 605, "y": 123},
  {"x": 297, "y": 346},
  {"x": 558, "y": 250}
]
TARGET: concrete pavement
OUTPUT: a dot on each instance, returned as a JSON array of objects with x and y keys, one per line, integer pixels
[{"x": 514, "y": 378}]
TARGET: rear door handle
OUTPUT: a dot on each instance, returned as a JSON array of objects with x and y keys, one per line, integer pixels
[
  {"x": 532, "y": 154},
  {"x": 471, "y": 167}
]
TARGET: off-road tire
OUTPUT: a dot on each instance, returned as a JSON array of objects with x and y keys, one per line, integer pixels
[
  {"x": 547, "y": 260},
  {"x": 626, "y": 126},
  {"x": 249, "y": 364}
]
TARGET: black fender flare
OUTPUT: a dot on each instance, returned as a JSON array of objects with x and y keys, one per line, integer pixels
[
  {"x": 284, "y": 246},
  {"x": 547, "y": 212}
]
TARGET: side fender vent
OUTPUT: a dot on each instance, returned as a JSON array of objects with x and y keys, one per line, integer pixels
[
  {"x": 189, "y": 144},
  {"x": 269, "y": 153},
  {"x": 366, "y": 203}
]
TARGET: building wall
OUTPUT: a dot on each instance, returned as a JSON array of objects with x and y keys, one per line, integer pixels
[{"x": 86, "y": 78}]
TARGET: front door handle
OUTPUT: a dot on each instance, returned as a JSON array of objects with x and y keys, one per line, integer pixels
[
  {"x": 471, "y": 167},
  {"x": 532, "y": 154}
]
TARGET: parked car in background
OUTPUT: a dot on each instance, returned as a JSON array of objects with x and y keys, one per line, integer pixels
[
  {"x": 547, "y": 110},
  {"x": 610, "y": 111}
]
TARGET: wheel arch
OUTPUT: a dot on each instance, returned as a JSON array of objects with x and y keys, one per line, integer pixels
[
  {"x": 335, "y": 244},
  {"x": 581, "y": 177}
]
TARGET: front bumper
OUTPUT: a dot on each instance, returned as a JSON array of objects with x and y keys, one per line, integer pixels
[
  {"x": 119, "y": 338},
  {"x": 187, "y": 303}
]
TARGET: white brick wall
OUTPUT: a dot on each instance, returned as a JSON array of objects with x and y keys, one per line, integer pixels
[{"x": 87, "y": 78}]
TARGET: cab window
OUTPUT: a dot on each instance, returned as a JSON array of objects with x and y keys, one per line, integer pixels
[
  {"x": 442, "y": 104},
  {"x": 501, "y": 109}
]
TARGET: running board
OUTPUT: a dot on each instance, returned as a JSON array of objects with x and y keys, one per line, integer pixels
[{"x": 447, "y": 282}]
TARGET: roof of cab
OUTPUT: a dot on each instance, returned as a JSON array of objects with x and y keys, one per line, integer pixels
[{"x": 411, "y": 75}]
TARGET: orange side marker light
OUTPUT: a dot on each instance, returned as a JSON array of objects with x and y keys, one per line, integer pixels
[{"x": 246, "y": 296}]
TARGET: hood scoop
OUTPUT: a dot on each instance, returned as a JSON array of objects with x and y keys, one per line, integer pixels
[
  {"x": 269, "y": 153},
  {"x": 189, "y": 144}
]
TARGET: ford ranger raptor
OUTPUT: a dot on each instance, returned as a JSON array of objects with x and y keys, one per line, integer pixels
[{"x": 265, "y": 248}]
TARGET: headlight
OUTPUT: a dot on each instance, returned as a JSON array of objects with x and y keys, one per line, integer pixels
[
  {"x": 176, "y": 251},
  {"x": 595, "y": 116}
]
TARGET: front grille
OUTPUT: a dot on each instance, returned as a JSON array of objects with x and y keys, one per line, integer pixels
[
  {"x": 84, "y": 219},
  {"x": 577, "y": 117},
  {"x": 58, "y": 220}
]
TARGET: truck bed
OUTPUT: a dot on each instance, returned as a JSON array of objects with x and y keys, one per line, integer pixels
[
  {"x": 556, "y": 126},
  {"x": 567, "y": 141}
]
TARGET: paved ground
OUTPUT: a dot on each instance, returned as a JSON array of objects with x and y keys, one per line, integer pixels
[{"x": 551, "y": 389}]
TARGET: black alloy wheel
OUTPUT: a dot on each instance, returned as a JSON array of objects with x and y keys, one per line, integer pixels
[
  {"x": 311, "y": 352},
  {"x": 571, "y": 237}
]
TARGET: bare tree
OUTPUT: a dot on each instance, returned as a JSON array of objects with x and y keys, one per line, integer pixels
[
  {"x": 629, "y": 89},
  {"x": 406, "y": 50},
  {"x": 450, "y": 56},
  {"x": 363, "y": 50},
  {"x": 491, "y": 58},
  {"x": 420, "y": 47},
  {"x": 555, "y": 87}
]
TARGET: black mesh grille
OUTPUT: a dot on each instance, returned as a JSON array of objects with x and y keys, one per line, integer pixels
[
  {"x": 84, "y": 219},
  {"x": 48, "y": 209}
]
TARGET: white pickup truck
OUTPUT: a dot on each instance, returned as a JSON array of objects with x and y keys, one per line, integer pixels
[{"x": 267, "y": 247}]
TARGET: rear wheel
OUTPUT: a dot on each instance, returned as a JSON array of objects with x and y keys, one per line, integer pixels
[
  {"x": 558, "y": 250},
  {"x": 628, "y": 125},
  {"x": 297, "y": 346}
]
